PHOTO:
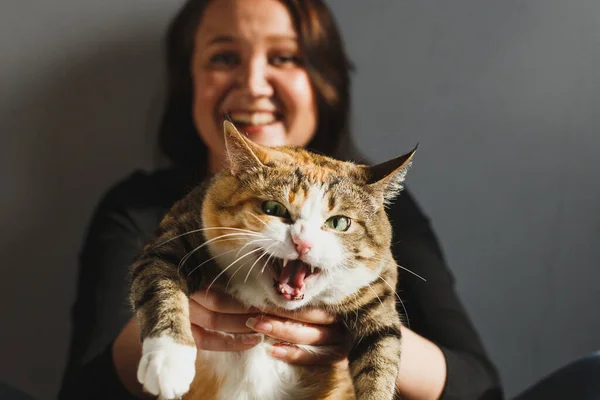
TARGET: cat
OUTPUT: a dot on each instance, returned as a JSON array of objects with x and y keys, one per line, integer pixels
[{"x": 284, "y": 227}]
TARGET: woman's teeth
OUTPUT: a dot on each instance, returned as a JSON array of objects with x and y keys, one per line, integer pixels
[{"x": 254, "y": 118}]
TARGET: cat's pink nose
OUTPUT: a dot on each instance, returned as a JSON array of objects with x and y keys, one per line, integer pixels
[{"x": 302, "y": 246}]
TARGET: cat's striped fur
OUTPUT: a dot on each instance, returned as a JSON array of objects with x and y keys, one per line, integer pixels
[{"x": 223, "y": 220}]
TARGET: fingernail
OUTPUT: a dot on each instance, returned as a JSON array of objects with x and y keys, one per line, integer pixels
[
  {"x": 278, "y": 351},
  {"x": 252, "y": 338},
  {"x": 259, "y": 326}
]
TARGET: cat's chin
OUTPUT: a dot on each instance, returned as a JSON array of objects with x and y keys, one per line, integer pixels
[
  {"x": 280, "y": 302},
  {"x": 261, "y": 294}
]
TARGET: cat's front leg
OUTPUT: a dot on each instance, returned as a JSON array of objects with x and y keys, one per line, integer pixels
[
  {"x": 167, "y": 366},
  {"x": 375, "y": 356}
]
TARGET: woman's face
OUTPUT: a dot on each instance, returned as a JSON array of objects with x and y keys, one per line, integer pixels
[{"x": 247, "y": 63}]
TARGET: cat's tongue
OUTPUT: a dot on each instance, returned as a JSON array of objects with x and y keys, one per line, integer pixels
[{"x": 291, "y": 280}]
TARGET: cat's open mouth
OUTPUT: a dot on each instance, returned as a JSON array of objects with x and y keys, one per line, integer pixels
[{"x": 291, "y": 276}]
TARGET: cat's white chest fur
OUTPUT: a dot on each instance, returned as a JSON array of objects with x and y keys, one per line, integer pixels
[
  {"x": 167, "y": 369},
  {"x": 254, "y": 374}
]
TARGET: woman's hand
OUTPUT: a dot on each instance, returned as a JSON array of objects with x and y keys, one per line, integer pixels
[
  {"x": 217, "y": 311},
  {"x": 312, "y": 327}
]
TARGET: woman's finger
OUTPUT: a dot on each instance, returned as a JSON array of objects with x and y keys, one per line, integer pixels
[
  {"x": 296, "y": 332},
  {"x": 309, "y": 315},
  {"x": 217, "y": 321},
  {"x": 322, "y": 355},
  {"x": 220, "y": 302},
  {"x": 216, "y": 341}
]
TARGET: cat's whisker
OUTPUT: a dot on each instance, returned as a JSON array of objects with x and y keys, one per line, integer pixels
[
  {"x": 249, "y": 243},
  {"x": 232, "y": 275},
  {"x": 375, "y": 293},
  {"x": 264, "y": 253},
  {"x": 261, "y": 271},
  {"x": 401, "y": 267},
  {"x": 230, "y": 239},
  {"x": 204, "y": 229},
  {"x": 190, "y": 253},
  {"x": 265, "y": 264},
  {"x": 229, "y": 266},
  {"x": 256, "y": 216},
  {"x": 210, "y": 259},
  {"x": 414, "y": 273},
  {"x": 239, "y": 268},
  {"x": 399, "y": 299},
  {"x": 345, "y": 267}
]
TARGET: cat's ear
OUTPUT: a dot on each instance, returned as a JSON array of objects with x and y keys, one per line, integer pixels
[
  {"x": 242, "y": 153},
  {"x": 387, "y": 178}
]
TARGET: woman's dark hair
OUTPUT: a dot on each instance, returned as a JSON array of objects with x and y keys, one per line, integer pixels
[{"x": 325, "y": 60}]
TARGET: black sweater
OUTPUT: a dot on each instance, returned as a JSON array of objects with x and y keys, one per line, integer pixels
[{"x": 130, "y": 212}]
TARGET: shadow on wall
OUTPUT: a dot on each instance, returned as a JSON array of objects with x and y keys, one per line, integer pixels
[{"x": 76, "y": 124}]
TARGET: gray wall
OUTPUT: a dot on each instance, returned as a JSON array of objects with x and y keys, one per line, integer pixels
[{"x": 503, "y": 97}]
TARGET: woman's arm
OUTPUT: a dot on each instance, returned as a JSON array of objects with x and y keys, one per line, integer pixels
[
  {"x": 433, "y": 308},
  {"x": 422, "y": 368},
  {"x": 126, "y": 354}
]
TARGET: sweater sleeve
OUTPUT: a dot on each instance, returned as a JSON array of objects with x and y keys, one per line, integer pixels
[
  {"x": 116, "y": 234},
  {"x": 433, "y": 308}
]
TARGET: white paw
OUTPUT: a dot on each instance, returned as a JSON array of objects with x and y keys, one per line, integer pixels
[{"x": 167, "y": 368}]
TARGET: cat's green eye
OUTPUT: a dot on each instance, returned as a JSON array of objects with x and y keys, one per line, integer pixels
[
  {"x": 272, "y": 207},
  {"x": 339, "y": 223}
]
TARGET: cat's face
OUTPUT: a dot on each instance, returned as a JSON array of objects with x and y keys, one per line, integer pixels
[{"x": 294, "y": 228}]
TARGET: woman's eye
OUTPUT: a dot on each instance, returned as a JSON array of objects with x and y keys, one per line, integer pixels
[
  {"x": 274, "y": 208},
  {"x": 224, "y": 59},
  {"x": 339, "y": 223},
  {"x": 284, "y": 60}
]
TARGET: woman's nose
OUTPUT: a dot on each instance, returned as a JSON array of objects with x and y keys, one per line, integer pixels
[{"x": 256, "y": 78}]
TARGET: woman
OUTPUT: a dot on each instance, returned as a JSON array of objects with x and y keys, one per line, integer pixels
[{"x": 279, "y": 69}]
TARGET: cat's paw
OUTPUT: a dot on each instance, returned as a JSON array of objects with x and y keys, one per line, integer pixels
[{"x": 167, "y": 368}]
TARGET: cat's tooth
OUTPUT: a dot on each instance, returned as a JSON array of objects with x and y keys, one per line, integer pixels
[
  {"x": 285, "y": 261},
  {"x": 312, "y": 269}
]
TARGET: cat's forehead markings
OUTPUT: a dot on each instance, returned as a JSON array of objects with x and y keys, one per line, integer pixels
[
  {"x": 291, "y": 196},
  {"x": 313, "y": 203},
  {"x": 331, "y": 203},
  {"x": 315, "y": 174}
]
